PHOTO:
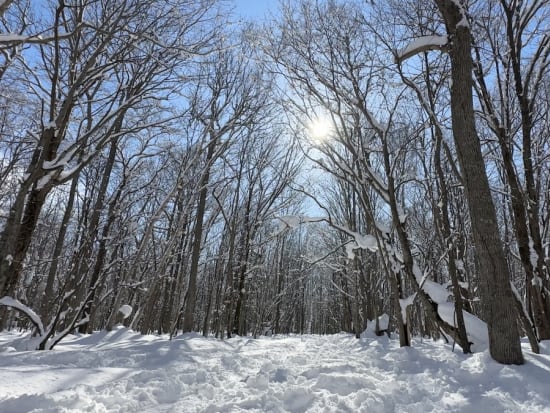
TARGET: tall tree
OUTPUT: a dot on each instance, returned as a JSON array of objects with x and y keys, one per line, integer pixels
[
  {"x": 102, "y": 60},
  {"x": 496, "y": 292},
  {"x": 512, "y": 46},
  {"x": 228, "y": 101}
]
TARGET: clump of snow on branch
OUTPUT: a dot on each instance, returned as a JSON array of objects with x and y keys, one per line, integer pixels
[
  {"x": 289, "y": 221},
  {"x": 125, "y": 310},
  {"x": 366, "y": 242},
  {"x": 421, "y": 44},
  {"x": 360, "y": 241}
]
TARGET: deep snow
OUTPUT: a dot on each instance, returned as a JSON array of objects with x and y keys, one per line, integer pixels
[{"x": 122, "y": 371}]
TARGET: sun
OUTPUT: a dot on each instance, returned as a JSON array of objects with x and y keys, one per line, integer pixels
[{"x": 320, "y": 128}]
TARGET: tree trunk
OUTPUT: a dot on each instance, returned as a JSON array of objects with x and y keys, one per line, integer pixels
[
  {"x": 536, "y": 283},
  {"x": 496, "y": 293},
  {"x": 191, "y": 295},
  {"x": 534, "y": 297}
]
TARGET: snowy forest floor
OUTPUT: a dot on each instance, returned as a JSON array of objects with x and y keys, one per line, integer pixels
[{"x": 122, "y": 371}]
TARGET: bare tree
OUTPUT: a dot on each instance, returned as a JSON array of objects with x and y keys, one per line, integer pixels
[
  {"x": 497, "y": 295},
  {"x": 512, "y": 109},
  {"x": 332, "y": 65},
  {"x": 102, "y": 64},
  {"x": 227, "y": 103}
]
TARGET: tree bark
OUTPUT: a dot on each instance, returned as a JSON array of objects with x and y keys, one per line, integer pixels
[
  {"x": 191, "y": 295},
  {"x": 496, "y": 292}
]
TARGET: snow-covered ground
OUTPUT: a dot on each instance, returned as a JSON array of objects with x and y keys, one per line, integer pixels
[{"x": 122, "y": 371}]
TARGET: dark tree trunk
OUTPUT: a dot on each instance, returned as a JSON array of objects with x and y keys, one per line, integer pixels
[
  {"x": 191, "y": 295},
  {"x": 496, "y": 292}
]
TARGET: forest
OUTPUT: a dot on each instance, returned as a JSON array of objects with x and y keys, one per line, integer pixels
[{"x": 169, "y": 166}]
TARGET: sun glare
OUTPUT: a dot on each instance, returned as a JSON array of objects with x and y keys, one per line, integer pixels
[{"x": 320, "y": 129}]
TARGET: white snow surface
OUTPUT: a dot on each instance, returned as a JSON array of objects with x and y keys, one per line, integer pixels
[{"x": 122, "y": 371}]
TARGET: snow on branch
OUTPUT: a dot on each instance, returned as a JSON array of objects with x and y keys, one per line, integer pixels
[
  {"x": 19, "y": 306},
  {"x": 364, "y": 242},
  {"x": 126, "y": 310},
  {"x": 464, "y": 19},
  {"x": 293, "y": 221},
  {"x": 11, "y": 39},
  {"x": 421, "y": 44},
  {"x": 358, "y": 241}
]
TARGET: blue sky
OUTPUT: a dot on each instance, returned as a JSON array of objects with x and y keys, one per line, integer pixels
[{"x": 255, "y": 8}]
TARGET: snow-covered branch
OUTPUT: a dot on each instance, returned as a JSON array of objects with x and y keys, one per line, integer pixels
[
  {"x": 19, "y": 306},
  {"x": 10, "y": 39},
  {"x": 420, "y": 45}
]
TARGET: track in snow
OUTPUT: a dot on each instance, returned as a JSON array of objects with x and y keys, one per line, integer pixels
[{"x": 124, "y": 372}]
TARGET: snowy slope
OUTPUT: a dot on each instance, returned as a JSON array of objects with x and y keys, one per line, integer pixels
[{"x": 125, "y": 372}]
